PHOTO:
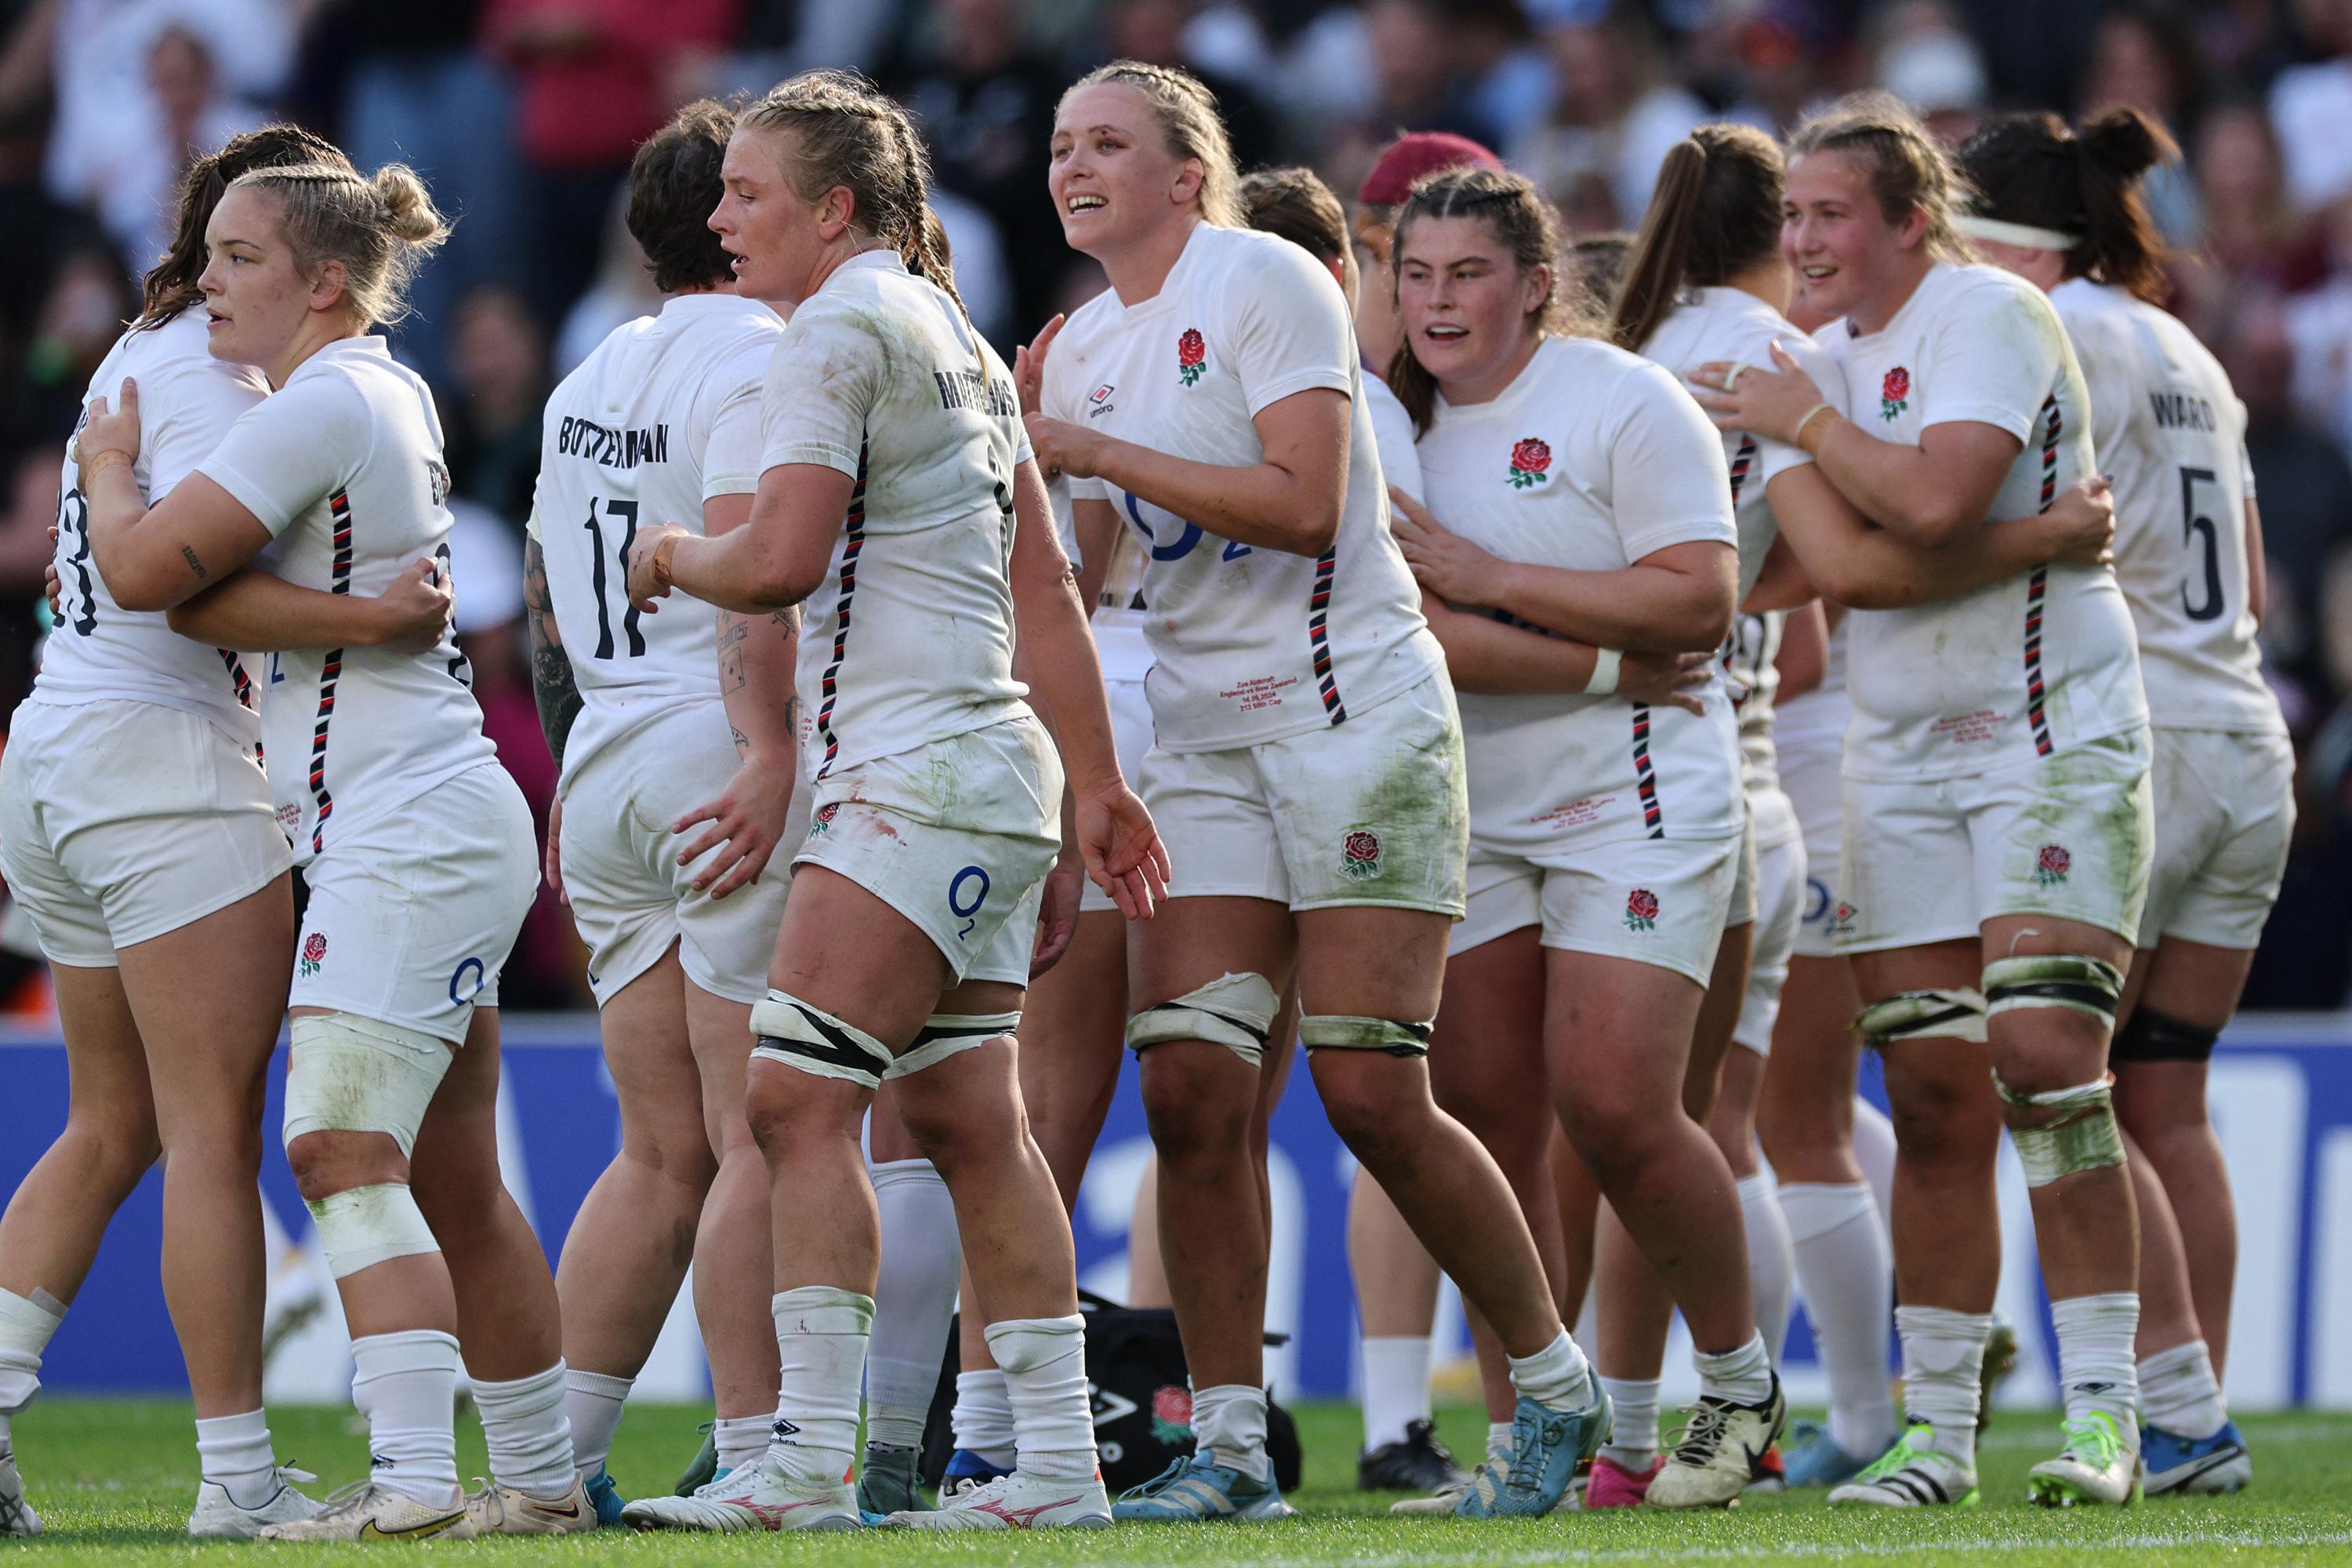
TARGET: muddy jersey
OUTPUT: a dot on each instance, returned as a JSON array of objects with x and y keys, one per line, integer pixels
[
  {"x": 2172, "y": 432},
  {"x": 1592, "y": 460},
  {"x": 909, "y": 639},
  {"x": 343, "y": 465},
  {"x": 1250, "y": 644},
  {"x": 661, "y": 417},
  {"x": 2021, "y": 668},
  {"x": 99, "y": 651}
]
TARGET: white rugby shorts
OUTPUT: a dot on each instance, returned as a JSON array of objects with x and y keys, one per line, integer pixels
[
  {"x": 122, "y": 821},
  {"x": 2224, "y": 813},
  {"x": 1811, "y": 778},
  {"x": 2068, "y": 836},
  {"x": 413, "y": 913},
  {"x": 1781, "y": 897},
  {"x": 957, "y": 836},
  {"x": 630, "y": 896},
  {"x": 1371, "y": 813},
  {"x": 1654, "y": 900}
]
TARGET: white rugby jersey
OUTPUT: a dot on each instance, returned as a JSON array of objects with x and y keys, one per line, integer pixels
[
  {"x": 1251, "y": 644},
  {"x": 909, "y": 639},
  {"x": 1734, "y": 327},
  {"x": 343, "y": 465},
  {"x": 1591, "y": 459},
  {"x": 1750, "y": 666},
  {"x": 661, "y": 417},
  {"x": 2018, "y": 669},
  {"x": 2172, "y": 432},
  {"x": 1817, "y": 719},
  {"x": 99, "y": 651}
]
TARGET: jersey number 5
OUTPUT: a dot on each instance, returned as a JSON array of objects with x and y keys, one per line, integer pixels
[
  {"x": 626, "y": 513},
  {"x": 2194, "y": 525}
]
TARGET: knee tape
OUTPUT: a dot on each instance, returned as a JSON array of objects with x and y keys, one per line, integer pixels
[
  {"x": 794, "y": 1034},
  {"x": 945, "y": 1034},
  {"x": 1333, "y": 1032},
  {"x": 1236, "y": 1011},
  {"x": 2090, "y": 986},
  {"x": 2150, "y": 1036},
  {"x": 1954, "y": 1014},
  {"x": 363, "y": 1226},
  {"x": 2081, "y": 1136},
  {"x": 347, "y": 1074}
]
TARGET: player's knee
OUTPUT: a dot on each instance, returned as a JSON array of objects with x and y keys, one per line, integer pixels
[
  {"x": 1236, "y": 1011},
  {"x": 325, "y": 1163},
  {"x": 1194, "y": 1115},
  {"x": 2062, "y": 1132},
  {"x": 112, "y": 1150},
  {"x": 831, "y": 1069},
  {"x": 1615, "y": 1134},
  {"x": 356, "y": 1092}
]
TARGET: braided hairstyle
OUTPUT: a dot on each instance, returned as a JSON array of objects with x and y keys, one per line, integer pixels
[
  {"x": 1515, "y": 214},
  {"x": 170, "y": 286},
  {"x": 847, "y": 132},
  {"x": 1190, "y": 120},
  {"x": 380, "y": 229},
  {"x": 1906, "y": 166}
]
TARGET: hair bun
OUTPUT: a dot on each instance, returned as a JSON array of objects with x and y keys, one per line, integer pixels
[
  {"x": 408, "y": 208},
  {"x": 2126, "y": 141}
]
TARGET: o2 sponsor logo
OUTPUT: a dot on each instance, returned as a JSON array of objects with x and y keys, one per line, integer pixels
[
  {"x": 466, "y": 982},
  {"x": 1187, "y": 538},
  {"x": 967, "y": 891}
]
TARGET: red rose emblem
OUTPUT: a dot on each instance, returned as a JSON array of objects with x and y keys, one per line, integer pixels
[
  {"x": 1363, "y": 847},
  {"x": 2054, "y": 860},
  {"x": 314, "y": 947},
  {"x": 1174, "y": 1406},
  {"x": 1531, "y": 456},
  {"x": 1190, "y": 349},
  {"x": 1897, "y": 385},
  {"x": 1642, "y": 904}
]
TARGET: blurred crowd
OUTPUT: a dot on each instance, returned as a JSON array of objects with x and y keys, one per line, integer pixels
[{"x": 522, "y": 115}]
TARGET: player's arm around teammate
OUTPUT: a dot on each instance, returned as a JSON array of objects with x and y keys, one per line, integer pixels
[
  {"x": 896, "y": 476},
  {"x": 1306, "y": 771},
  {"x": 2021, "y": 768},
  {"x": 414, "y": 892}
]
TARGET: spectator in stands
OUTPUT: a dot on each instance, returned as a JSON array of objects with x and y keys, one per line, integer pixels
[
  {"x": 2311, "y": 106},
  {"x": 2144, "y": 56},
  {"x": 497, "y": 354},
  {"x": 1615, "y": 111}
]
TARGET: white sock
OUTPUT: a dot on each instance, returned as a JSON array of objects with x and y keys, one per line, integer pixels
[
  {"x": 1044, "y": 1362},
  {"x": 2095, "y": 1370},
  {"x": 2179, "y": 1392},
  {"x": 234, "y": 1451},
  {"x": 1498, "y": 1442},
  {"x": 1742, "y": 1376},
  {"x": 1557, "y": 1377},
  {"x": 983, "y": 1419},
  {"x": 1396, "y": 1386},
  {"x": 1770, "y": 1260},
  {"x": 741, "y": 1440},
  {"x": 914, "y": 1300},
  {"x": 26, "y": 1325},
  {"x": 1229, "y": 1427},
  {"x": 529, "y": 1434},
  {"x": 1845, "y": 1272},
  {"x": 1873, "y": 1150},
  {"x": 821, "y": 1332},
  {"x": 406, "y": 1383},
  {"x": 593, "y": 1402},
  {"x": 1633, "y": 1422},
  {"x": 1943, "y": 1356}
]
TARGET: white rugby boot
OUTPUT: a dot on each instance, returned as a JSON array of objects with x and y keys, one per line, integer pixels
[
  {"x": 1912, "y": 1474},
  {"x": 759, "y": 1496},
  {"x": 2100, "y": 1463},
  {"x": 1017, "y": 1501},
  {"x": 495, "y": 1509},
  {"x": 217, "y": 1516},
  {"x": 17, "y": 1515},
  {"x": 1716, "y": 1459},
  {"x": 366, "y": 1511}
]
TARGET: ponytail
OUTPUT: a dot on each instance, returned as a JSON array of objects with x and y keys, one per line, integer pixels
[
  {"x": 1716, "y": 215},
  {"x": 1661, "y": 253}
]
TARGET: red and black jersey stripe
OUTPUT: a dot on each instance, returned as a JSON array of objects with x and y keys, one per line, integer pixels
[
  {"x": 329, "y": 672},
  {"x": 2037, "y": 586},
  {"x": 1645, "y": 776},
  {"x": 830, "y": 687},
  {"x": 1318, "y": 640}
]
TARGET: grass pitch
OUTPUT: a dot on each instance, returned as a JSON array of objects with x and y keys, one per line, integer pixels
[{"x": 113, "y": 1481}]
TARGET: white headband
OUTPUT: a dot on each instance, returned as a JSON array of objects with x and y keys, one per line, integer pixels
[{"x": 2018, "y": 234}]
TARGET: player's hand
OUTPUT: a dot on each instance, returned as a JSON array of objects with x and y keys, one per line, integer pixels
[
  {"x": 747, "y": 823},
  {"x": 1062, "y": 447},
  {"x": 1122, "y": 849},
  {"x": 1771, "y": 402},
  {"x": 417, "y": 610},
  {"x": 1443, "y": 562},
  {"x": 52, "y": 582},
  {"x": 1029, "y": 365},
  {"x": 1664, "y": 680},
  {"x": 552, "y": 862},
  {"x": 105, "y": 430},
  {"x": 2082, "y": 521},
  {"x": 645, "y": 584},
  {"x": 1057, "y": 921}
]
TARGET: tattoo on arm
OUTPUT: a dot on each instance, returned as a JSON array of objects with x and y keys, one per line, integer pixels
[
  {"x": 742, "y": 742},
  {"x": 733, "y": 631},
  {"x": 552, "y": 683},
  {"x": 188, "y": 554}
]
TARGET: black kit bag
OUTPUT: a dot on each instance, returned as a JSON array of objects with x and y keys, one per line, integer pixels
[{"x": 1142, "y": 1399}]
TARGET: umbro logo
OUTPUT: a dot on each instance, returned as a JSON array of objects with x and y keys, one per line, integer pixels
[
  {"x": 784, "y": 1428},
  {"x": 1099, "y": 400}
]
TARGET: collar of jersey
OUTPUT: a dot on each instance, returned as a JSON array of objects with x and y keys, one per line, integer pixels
[
  {"x": 1167, "y": 296},
  {"x": 1503, "y": 401},
  {"x": 367, "y": 345},
  {"x": 1935, "y": 274}
]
